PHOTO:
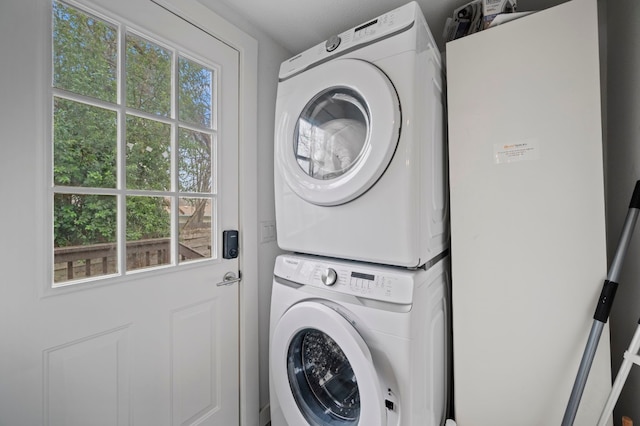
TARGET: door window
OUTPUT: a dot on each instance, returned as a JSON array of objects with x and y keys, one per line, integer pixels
[
  {"x": 323, "y": 382},
  {"x": 331, "y": 133},
  {"x": 134, "y": 138}
]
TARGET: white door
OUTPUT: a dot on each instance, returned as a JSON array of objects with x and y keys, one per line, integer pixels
[{"x": 137, "y": 336}]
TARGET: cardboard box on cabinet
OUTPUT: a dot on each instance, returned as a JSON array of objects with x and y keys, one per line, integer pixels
[{"x": 493, "y": 8}]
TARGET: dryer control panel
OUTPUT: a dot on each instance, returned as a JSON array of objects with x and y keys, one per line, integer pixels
[
  {"x": 391, "y": 23},
  {"x": 382, "y": 283}
]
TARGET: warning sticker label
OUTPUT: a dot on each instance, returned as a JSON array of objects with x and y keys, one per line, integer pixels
[{"x": 526, "y": 150}]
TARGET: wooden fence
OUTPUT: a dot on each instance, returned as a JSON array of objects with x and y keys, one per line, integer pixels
[{"x": 101, "y": 259}]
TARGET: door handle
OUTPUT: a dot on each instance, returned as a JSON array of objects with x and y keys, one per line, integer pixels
[{"x": 229, "y": 278}]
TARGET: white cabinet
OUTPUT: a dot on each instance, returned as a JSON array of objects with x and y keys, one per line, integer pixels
[{"x": 527, "y": 217}]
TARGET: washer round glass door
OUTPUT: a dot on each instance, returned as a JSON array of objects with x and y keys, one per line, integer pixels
[
  {"x": 337, "y": 131},
  {"x": 322, "y": 379},
  {"x": 322, "y": 370}
]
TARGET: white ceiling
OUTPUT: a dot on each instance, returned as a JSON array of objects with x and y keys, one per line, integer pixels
[{"x": 300, "y": 24}]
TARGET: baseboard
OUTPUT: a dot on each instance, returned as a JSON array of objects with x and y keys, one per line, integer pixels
[{"x": 265, "y": 415}]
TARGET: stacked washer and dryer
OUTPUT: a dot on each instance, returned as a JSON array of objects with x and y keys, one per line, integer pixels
[{"x": 359, "y": 310}]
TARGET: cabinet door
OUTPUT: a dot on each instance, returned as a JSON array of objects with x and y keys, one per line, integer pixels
[{"x": 527, "y": 217}]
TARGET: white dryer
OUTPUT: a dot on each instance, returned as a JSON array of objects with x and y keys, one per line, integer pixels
[
  {"x": 358, "y": 344},
  {"x": 360, "y": 170}
]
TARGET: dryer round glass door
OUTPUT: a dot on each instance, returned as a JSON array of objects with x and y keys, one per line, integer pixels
[
  {"x": 322, "y": 370},
  {"x": 336, "y": 130},
  {"x": 331, "y": 133}
]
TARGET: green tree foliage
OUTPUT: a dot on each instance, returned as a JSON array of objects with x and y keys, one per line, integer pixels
[
  {"x": 148, "y": 68},
  {"x": 85, "y": 145},
  {"x": 84, "y": 219},
  {"x": 148, "y": 159},
  {"x": 85, "y": 54},
  {"x": 85, "y": 137},
  {"x": 147, "y": 217},
  {"x": 195, "y": 93}
]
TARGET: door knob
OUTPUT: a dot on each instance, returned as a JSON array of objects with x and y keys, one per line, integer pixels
[{"x": 229, "y": 278}]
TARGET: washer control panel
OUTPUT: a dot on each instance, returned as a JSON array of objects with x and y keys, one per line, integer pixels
[{"x": 363, "y": 280}]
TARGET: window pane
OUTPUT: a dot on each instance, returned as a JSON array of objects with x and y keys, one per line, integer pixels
[
  {"x": 195, "y": 229},
  {"x": 84, "y": 236},
  {"x": 84, "y": 140},
  {"x": 85, "y": 53},
  {"x": 195, "y": 93},
  {"x": 148, "y": 154},
  {"x": 148, "y": 76},
  {"x": 194, "y": 161},
  {"x": 148, "y": 232}
]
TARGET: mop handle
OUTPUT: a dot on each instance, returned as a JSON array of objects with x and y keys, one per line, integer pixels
[{"x": 603, "y": 308}]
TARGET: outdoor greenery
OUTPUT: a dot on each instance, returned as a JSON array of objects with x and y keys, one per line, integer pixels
[{"x": 86, "y": 140}]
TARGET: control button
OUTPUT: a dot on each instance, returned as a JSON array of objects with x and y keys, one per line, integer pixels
[
  {"x": 333, "y": 43},
  {"x": 329, "y": 277}
]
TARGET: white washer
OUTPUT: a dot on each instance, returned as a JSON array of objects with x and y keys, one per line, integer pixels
[
  {"x": 360, "y": 169},
  {"x": 358, "y": 344}
]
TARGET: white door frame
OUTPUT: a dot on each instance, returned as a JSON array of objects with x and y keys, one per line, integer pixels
[{"x": 247, "y": 46}]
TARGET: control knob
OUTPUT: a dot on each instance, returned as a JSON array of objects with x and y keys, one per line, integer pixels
[
  {"x": 329, "y": 277},
  {"x": 333, "y": 43}
]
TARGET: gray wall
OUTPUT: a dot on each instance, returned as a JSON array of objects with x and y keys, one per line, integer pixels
[
  {"x": 270, "y": 55},
  {"x": 623, "y": 169}
]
